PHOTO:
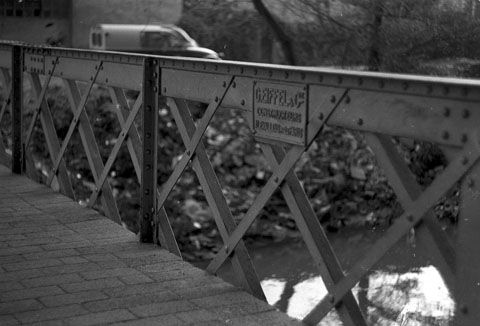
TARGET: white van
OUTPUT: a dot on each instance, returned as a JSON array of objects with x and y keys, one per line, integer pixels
[{"x": 150, "y": 39}]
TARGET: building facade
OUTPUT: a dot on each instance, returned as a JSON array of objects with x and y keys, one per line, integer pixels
[{"x": 68, "y": 22}]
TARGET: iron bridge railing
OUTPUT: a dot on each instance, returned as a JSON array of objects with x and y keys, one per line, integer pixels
[{"x": 286, "y": 109}]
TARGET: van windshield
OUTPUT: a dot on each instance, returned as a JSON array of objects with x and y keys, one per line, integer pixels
[{"x": 164, "y": 40}]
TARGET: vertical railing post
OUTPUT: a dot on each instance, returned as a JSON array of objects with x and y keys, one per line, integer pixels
[
  {"x": 467, "y": 286},
  {"x": 17, "y": 109},
  {"x": 149, "y": 152}
]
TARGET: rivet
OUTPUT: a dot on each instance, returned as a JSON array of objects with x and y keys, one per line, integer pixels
[
  {"x": 464, "y": 138},
  {"x": 360, "y": 81},
  {"x": 360, "y": 122},
  {"x": 148, "y": 167},
  {"x": 410, "y": 218},
  {"x": 405, "y": 85},
  {"x": 286, "y": 74},
  {"x": 429, "y": 89},
  {"x": 147, "y": 192},
  {"x": 146, "y": 216},
  {"x": 106, "y": 80},
  {"x": 466, "y": 114},
  {"x": 155, "y": 75},
  {"x": 275, "y": 179},
  {"x": 188, "y": 153},
  {"x": 381, "y": 84},
  {"x": 148, "y": 135},
  {"x": 445, "y": 135},
  {"x": 234, "y": 84},
  {"x": 242, "y": 102},
  {"x": 465, "y": 91},
  {"x": 216, "y": 98},
  {"x": 320, "y": 116},
  {"x": 302, "y": 75},
  {"x": 224, "y": 84},
  {"x": 340, "y": 80},
  {"x": 155, "y": 89},
  {"x": 255, "y": 71},
  {"x": 226, "y": 249},
  {"x": 148, "y": 151},
  {"x": 333, "y": 99},
  {"x": 446, "y": 90},
  {"x": 164, "y": 89},
  {"x": 446, "y": 112},
  {"x": 254, "y": 132},
  {"x": 464, "y": 160},
  {"x": 347, "y": 99},
  {"x": 320, "y": 78},
  {"x": 149, "y": 108},
  {"x": 331, "y": 298}
]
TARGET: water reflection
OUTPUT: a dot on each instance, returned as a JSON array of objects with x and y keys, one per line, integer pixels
[
  {"x": 404, "y": 289},
  {"x": 418, "y": 297}
]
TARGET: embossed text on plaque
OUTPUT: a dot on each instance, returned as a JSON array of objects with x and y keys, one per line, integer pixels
[{"x": 280, "y": 112}]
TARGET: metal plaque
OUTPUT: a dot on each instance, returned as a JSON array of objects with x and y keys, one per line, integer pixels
[{"x": 280, "y": 112}]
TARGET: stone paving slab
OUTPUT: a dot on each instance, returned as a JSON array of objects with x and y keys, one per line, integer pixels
[{"x": 63, "y": 264}]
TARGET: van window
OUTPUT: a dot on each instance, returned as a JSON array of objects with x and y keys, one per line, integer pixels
[{"x": 96, "y": 39}]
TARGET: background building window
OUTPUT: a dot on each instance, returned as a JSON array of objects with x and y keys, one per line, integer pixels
[{"x": 35, "y": 8}]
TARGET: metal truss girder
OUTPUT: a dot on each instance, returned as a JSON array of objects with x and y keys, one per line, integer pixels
[
  {"x": 195, "y": 86},
  {"x": 453, "y": 88},
  {"x": 414, "y": 212},
  {"x": 443, "y": 121},
  {"x": 113, "y": 74}
]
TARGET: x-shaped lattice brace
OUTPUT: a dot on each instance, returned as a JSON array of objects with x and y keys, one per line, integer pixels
[
  {"x": 42, "y": 110},
  {"x": 213, "y": 192},
  {"x": 4, "y": 106},
  {"x": 162, "y": 225},
  {"x": 282, "y": 164},
  {"x": 417, "y": 206}
]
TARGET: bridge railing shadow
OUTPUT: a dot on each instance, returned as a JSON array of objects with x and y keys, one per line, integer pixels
[{"x": 286, "y": 109}]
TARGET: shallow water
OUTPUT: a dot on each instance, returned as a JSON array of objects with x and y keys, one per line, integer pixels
[{"x": 404, "y": 289}]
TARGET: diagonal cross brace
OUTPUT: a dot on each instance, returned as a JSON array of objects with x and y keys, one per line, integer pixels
[
  {"x": 53, "y": 145},
  {"x": 414, "y": 212},
  {"x": 314, "y": 237},
  {"x": 113, "y": 155},
  {"x": 74, "y": 123},
  {"x": 407, "y": 190},
  {"x": 38, "y": 105},
  {"x": 92, "y": 151},
  {"x": 315, "y": 125},
  {"x": 213, "y": 192},
  {"x": 195, "y": 140}
]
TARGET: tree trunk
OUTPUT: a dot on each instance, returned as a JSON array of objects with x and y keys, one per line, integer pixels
[{"x": 284, "y": 39}]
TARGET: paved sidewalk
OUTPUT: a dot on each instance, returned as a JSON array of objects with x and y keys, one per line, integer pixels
[{"x": 62, "y": 264}]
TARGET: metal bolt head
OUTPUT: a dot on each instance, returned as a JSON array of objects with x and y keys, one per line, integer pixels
[
  {"x": 275, "y": 179},
  {"x": 320, "y": 116},
  {"x": 333, "y": 99},
  {"x": 331, "y": 298},
  {"x": 188, "y": 153},
  {"x": 360, "y": 122}
]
